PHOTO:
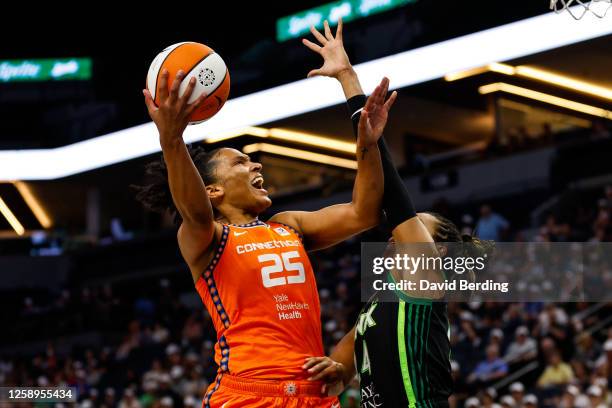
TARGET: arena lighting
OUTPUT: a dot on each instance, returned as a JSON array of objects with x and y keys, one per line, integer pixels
[
  {"x": 537, "y": 74},
  {"x": 564, "y": 81},
  {"x": 525, "y": 37},
  {"x": 310, "y": 139},
  {"x": 33, "y": 203},
  {"x": 300, "y": 154},
  {"x": 10, "y": 217},
  {"x": 546, "y": 98}
]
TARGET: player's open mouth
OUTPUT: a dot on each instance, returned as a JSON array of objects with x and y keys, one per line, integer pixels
[{"x": 257, "y": 183}]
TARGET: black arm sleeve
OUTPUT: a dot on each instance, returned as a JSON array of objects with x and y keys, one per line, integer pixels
[{"x": 397, "y": 204}]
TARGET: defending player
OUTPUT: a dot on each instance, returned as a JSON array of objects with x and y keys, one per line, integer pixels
[
  {"x": 255, "y": 277},
  {"x": 400, "y": 350}
]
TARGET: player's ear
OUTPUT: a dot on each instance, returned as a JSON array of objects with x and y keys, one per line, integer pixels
[
  {"x": 442, "y": 250},
  {"x": 215, "y": 192}
]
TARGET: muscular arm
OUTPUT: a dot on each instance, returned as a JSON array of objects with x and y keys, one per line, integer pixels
[
  {"x": 188, "y": 191},
  {"x": 330, "y": 225},
  {"x": 344, "y": 353}
]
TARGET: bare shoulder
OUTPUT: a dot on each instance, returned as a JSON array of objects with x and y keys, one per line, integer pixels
[
  {"x": 290, "y": 218},
  {"x": 196, "y": 255}
]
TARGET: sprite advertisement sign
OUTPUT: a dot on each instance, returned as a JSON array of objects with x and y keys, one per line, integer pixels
[
  {"x": 299, "y": 24},
  {"x": 31, "y": 70}
]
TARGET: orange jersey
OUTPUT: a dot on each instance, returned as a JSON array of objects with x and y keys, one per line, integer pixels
[{"x": 261, "y": 292}]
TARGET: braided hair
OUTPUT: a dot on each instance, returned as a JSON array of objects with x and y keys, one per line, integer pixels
[{"x": 156, "y": 196}]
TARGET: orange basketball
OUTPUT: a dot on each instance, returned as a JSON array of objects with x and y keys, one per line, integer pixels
[{"x": 199, "y": 61}]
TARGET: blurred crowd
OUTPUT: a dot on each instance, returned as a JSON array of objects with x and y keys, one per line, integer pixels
[{"x": 151, "y": 343}]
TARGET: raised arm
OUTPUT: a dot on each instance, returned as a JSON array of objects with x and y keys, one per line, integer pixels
[
  {"x": 336, "y": 223},
  {"x": 189, "y": 194}
]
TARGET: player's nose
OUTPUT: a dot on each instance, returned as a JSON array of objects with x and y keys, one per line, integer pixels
[{"x": 256, "y": 167}]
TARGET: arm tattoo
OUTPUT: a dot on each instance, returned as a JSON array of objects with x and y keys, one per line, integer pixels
[{"x": 364, "y": 150}]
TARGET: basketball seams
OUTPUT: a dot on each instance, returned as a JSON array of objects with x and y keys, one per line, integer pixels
[
  {"x": 212, "y": 94},
  {"x": 160, "y": 68},
  {"x": 176, "y": 47}
]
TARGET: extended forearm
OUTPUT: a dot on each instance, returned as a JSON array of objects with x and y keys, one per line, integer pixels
[
  {"x": 344, "y": 353},
  {"x": 186, "y": 184},
  {"x": 369, "y": 184}
]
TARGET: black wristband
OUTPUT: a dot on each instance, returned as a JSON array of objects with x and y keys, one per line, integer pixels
[{"x": 354, "y": 106}]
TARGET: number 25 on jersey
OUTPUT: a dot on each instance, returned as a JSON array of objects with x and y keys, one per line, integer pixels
[{"x": 281, "y": 263}]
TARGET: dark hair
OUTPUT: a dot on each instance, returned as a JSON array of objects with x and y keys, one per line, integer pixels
[
  {"x": 447, "y": 231},
  {"x": 155, "y": 194},
  {"x": 473, "y": 247}
]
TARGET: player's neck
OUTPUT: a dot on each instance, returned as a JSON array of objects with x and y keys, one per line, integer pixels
[{"x": 238, "y": 218}]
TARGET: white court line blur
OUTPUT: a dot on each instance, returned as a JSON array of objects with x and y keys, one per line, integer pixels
[{"x": 525, "y": 37}]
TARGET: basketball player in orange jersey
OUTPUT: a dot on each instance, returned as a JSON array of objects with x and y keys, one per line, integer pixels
[{"x": 255, "y": 277}]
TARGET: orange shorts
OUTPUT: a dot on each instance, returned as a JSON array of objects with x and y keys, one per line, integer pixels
[{"x": 234, "y": 392}]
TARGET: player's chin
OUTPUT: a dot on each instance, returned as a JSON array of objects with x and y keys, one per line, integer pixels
[{"x": 261, "y": 197}]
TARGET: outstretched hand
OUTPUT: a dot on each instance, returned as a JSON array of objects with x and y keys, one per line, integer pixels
[
  {"x": 375, "y": 114},
  {"x": 172, "y": 115},
  {"x": 335, "y": 60}
]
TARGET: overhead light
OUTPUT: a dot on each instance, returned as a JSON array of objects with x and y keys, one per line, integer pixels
[
  {"x": 501, "y": 68},
  {"x": 433, "y": 61},
  {"x": 33, "y": 203},
  {"x": 564, "y": 81},
  {"x": 294, "y": 136},
  {"x": 558, "y": 118},
  {"x": 10, "y": 217},
  {"x": 312, "y": 140},
  {"x": 247, "y": 130},
  {"x": 546, "y": 98},
  {"x": 538, "y": 75},
  {"x": 455, "y": 76},
  {"x": 300, "y": 154}
]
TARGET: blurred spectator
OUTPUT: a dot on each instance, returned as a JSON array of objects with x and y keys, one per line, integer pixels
[
  {"x": 129, "y": 400},
  {"x": 596, "y": 397},
  {"x": 556, "y": 372},
  {"x": 587, "y": 349},
  {"x": 523, "y": 348},
  {"x": 531, "y": 401},
  {"x": 472, "y": 403},
  {"x": 490, "y": 369},
  {"x": 490, "y": 225},
  {"x": 507, "y": 402},
  {"x": 517, "y": 390}
]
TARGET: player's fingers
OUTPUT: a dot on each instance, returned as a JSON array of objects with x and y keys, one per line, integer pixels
[
  {"x": 176, "y": 84},
  {"x": 377, "y": 94},
  {"x": 149, "y": 101},
  {"x": 330, "y": 373},
  {"x": 314, "y": 47},
  {"x": 314, "y": 72},
  {"x": 384, "y": 88},
  {"x": 328, "y": 33},
  {"x": 318, "y": 35},
  {"x": 391, "y": 101},
  {"x": 320, "y": 366},
  {"x": 188, "y": 91},
  {"x": 371, "y": 101},
  {"x": 162, "y": 87},
  {"x": 195, "y": 105},
  {"x": 363, "y": 121},
  {"x": 339, "y": 30},
  {"x": 312, "y": 361}
]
